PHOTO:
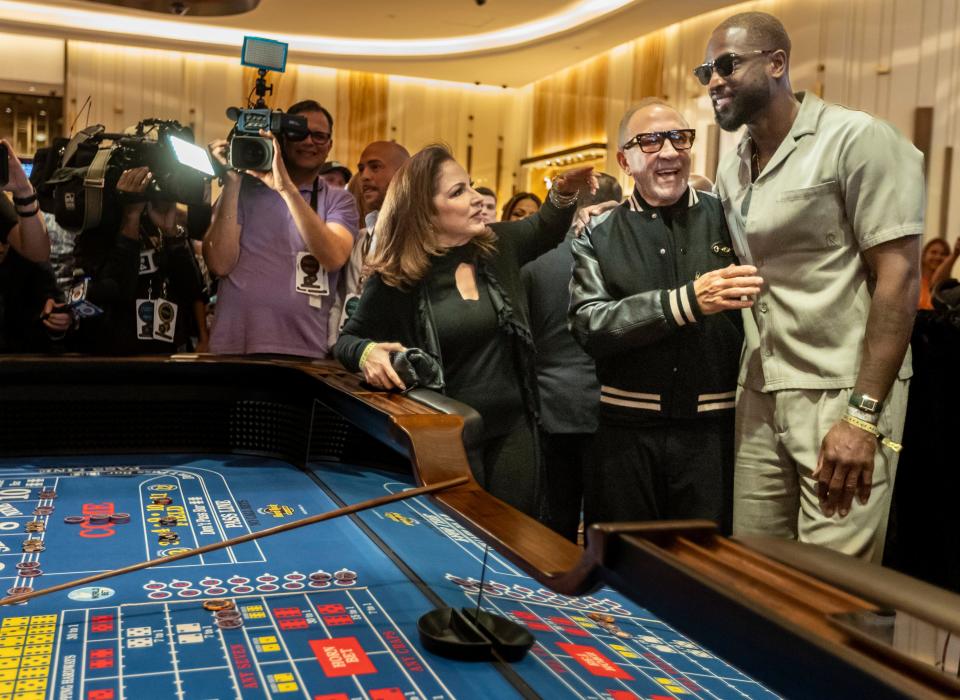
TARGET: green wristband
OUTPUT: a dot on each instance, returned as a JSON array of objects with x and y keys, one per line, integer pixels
[{"x": 366, "y": 353}]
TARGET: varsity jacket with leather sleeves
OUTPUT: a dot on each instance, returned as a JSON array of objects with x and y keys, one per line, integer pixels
[{"x": 633, "y": 308}]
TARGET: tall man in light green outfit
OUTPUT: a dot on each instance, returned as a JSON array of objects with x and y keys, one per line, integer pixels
[{"x": 827, "y": 203}]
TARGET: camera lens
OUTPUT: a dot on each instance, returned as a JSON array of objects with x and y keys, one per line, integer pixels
[{"x": 251, "y": 153}]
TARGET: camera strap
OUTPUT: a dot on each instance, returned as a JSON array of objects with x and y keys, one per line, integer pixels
[
  {"x": 94, "y": 183},
  {"x": 314, "y": 196}
]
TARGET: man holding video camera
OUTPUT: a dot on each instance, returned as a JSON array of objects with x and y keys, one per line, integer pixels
[{"x": 278, "y": 240}]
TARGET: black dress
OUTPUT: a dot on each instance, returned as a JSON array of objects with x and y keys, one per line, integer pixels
[
  {"x": 484, "y": 347},
  {"x": 481, "y": 369}
]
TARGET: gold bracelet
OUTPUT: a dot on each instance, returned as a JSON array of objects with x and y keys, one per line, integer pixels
[
  {"x": 872, "y": 429},
  {"x": 366, "y": 353}
]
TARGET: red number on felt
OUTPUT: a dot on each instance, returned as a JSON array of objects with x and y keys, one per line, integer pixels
[
  {"x": 331, "y": 609},
  {"x": 292, "y": 624},
  {"x": 102, "y": 694},
  {"x": 101, "y": 658},
  {"x": 101, "y": 623},
  {"x": 334, "y": 620}
]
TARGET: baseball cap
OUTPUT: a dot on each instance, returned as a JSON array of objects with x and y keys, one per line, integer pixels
[{"x": 332, "y": 166}]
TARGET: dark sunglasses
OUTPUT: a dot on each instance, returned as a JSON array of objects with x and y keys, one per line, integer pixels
[
  {"x": 321, "y": 138},
  {"x": 724, "y": 65},
  {"x": 652, "y": 142}
]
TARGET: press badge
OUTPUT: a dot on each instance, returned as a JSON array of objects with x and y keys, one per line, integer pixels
[
  {"x": 164, "y": 320},
  {"x": 311, "y": 278},
  {"x": 148, "y": 262},
  {"x": 77, "y": 301},
  {"x": 145, "y": 309}
]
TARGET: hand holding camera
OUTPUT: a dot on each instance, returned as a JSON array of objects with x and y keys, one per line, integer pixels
[
  {"x": 220, "y": 153},
  {"x": 277, "y": 178},
  {"x": 12, "y": 177},
  {"x": 133, "y": 182}
]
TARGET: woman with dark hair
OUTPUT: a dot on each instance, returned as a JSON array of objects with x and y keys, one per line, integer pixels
[
  {"x": 520, "y": 206},
  {"x": 447, "y": 283},
  {"x": 934, "y": 253}
]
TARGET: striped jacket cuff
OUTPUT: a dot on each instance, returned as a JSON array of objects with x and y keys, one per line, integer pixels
[{"x": 680, "y": 305}]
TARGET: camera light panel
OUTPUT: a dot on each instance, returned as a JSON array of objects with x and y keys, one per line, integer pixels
[
  {"x": 264, "y": 53},
  {"x": 191, "y": 155}
]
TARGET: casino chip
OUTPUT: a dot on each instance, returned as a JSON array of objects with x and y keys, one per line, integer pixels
[
  {"x": 48, "y": 494},
  {"x": 17, "y": 590},
  {"x": 99, "y": 518},
  {"x": 30, "y": 573},
  {"x": 228, "y": 614},
  {"x": 43, "y": 510},
  {"x": 168, "y": 521},
  {"x": 320, "y": 576},
  {"x": 623, "y": 635},
  {"x": 599, "y": 617},
  {"x": 218, "y": 604},
  {"x": 231, "y": 624},
  {"x": 35, "y": 526},
  {"x": 120, "y": 518},
  {"x": 345, "y": 575},
  {"x": 26, "y": 565},
  {"x": 74, "y": 519}
]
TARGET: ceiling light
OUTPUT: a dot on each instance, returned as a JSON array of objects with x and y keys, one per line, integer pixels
[{"x": 29, "y": 13}]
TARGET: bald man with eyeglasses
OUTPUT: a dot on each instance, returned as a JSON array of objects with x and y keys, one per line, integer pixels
[{"x": 655, "y": 298}]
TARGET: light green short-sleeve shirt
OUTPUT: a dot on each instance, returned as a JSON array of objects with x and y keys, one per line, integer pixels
[{"x": 841, "y": 182}]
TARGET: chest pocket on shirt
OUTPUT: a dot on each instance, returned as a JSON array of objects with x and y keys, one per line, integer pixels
[{"x": 809, "y": 218}]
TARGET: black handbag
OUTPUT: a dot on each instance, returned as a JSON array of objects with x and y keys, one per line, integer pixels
[{"x": 416, "y": 368}]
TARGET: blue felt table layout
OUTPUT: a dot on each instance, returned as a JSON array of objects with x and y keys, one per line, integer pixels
[{"x": 321, "y": 613}]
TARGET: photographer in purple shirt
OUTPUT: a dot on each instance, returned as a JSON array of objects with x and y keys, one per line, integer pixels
[{"x": 277, "y": 241}]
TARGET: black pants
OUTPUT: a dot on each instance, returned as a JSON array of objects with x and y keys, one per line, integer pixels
[
  {"x": 508, "y": 467},
  {"x": 568, "y": 462},
  {"x": 663, "y": 469}
]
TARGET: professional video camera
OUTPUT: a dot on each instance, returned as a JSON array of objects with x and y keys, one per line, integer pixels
[
  {"x": 248, "y": 149},
  {"x": 181, "y": 169},
  {"x": 81, "y": 189}
]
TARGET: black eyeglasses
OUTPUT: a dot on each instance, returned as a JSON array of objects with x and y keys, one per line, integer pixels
[
  {"x": 724, "y": 65},
  {"x": 652, "y": 142},
  {"x": 320, "y": 137}
]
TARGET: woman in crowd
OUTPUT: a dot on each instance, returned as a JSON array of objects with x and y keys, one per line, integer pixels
[
  {"x": 449, "y": 284},
  {"x": 934, "y": 253},
  {"x": 941, "y": 270},
  {"x": 520, "y": 206}
]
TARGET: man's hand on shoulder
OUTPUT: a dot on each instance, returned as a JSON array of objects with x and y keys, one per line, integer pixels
[{"x": 727, "y": 289}]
